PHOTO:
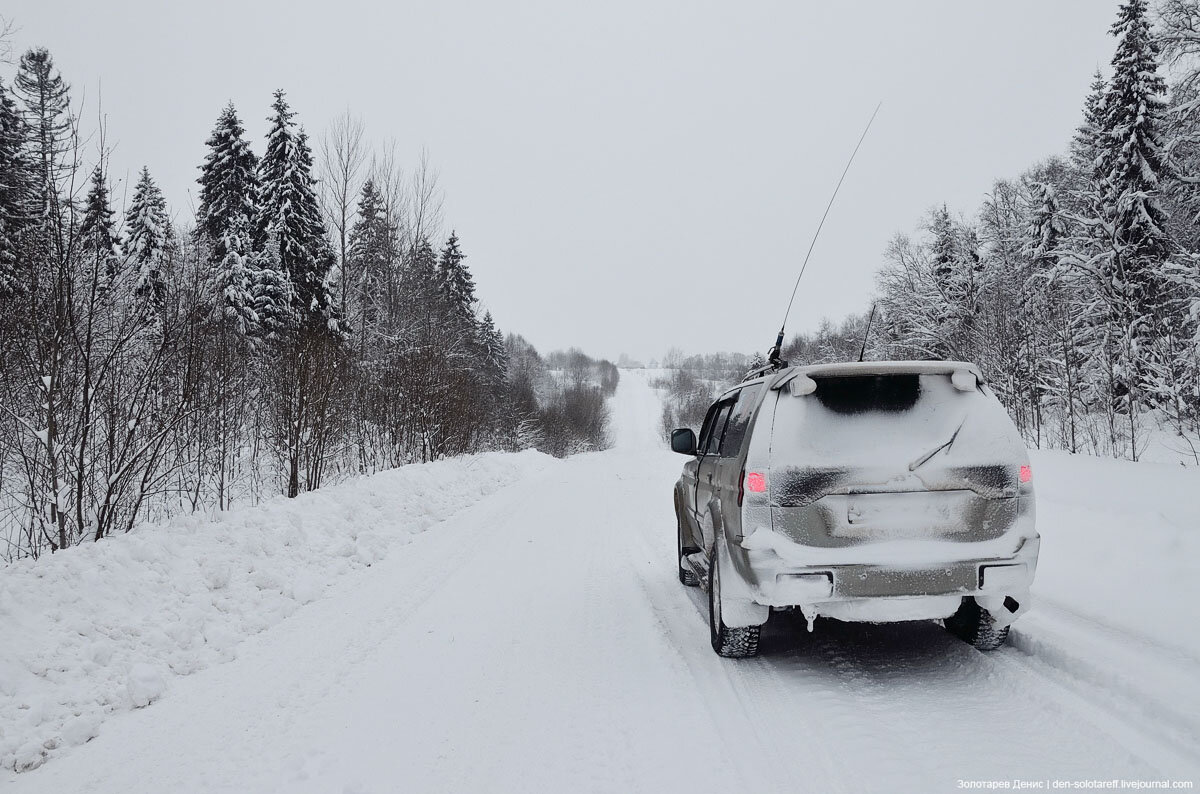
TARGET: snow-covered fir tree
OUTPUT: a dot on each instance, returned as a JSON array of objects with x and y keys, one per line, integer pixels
[
  {"x": 943, "y": 248},
  {"x": 1060, "y": 310},
  {"x": 419, "y": 284},
  {"x": 97, "y": 232},
  {"x": 14, "y": 194},
  {"x": 955, "y": 267},
  {"x": 290, "y": 217},
  {"x": 372, "y": 236},
  {"x": 1178, "y": 33},
  {"x": 374, "y": 245},
  {"x": 148, "y": 237},
  {"x": 272, "y": 293},
  {"x": 455, "y": 279},
  {"x": 1132, "y": 271},
  {"x": 233, "y": 280},
  {"x": 495, "y": 353},
  {"x": 1131, "y": 155},
  {"x": 228, "y": 185},
  {"x": 456, "y": 287},
  {"x": 1085, "y": 144},
  {"x": 1047, "y": 227},
  {"x": 45, "y": 104}
]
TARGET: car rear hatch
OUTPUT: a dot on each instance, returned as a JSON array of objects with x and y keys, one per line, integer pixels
[{"x": 914, "y": 452}]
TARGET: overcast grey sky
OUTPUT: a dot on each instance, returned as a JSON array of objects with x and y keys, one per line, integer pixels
[{"x": 628, "y": 175}]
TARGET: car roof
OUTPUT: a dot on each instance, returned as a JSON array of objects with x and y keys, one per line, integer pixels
[
  {"x": 889, "y": 368},
  {"x": 855, "y": 368}
]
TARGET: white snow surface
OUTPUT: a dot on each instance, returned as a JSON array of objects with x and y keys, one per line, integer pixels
[
  {"x": 536, "y": 639},
  {"x": 105, "y": 627}
]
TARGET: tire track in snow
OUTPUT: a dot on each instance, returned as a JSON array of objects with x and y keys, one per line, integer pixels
[
  {"x": 1161, "y": 751},
  {"x": 1151, "y": 690},
  {"x": 1052, "y": 607},
  {"x": 741, "y": 697}
]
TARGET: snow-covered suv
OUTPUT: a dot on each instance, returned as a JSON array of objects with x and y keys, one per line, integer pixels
[{"x": 879, "y": 491}]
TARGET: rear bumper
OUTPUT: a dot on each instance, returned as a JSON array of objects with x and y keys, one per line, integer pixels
[{"x": 912, "y": 586}]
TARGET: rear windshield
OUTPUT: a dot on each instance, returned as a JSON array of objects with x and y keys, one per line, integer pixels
[
  {"x": 891, "y": 421},
  {"x": 863, "y": 393}
]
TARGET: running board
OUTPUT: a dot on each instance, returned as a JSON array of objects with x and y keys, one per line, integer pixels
[{"x": 698, "y": 562}]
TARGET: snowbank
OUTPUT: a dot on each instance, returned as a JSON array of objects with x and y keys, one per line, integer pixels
[
  {"x": 104, "y": 627},
  {"x": 1121, "y": 544}
]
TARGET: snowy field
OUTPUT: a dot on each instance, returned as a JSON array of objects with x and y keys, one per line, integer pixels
[{"x": 514, "y": 623}]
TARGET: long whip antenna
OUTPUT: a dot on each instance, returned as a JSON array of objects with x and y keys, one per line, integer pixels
[
  {"x": 775, "y": 351},
  {"x": 863, "y": 351}
]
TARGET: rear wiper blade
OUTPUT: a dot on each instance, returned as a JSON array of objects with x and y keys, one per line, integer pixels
[{"x": 944, "y": 445}]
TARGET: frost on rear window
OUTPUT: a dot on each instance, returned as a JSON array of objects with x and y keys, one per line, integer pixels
[
  {"x": 866, "y": 393},
  {"x": 877, "y": 427}
]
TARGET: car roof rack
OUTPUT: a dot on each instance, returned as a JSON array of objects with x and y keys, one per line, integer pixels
[{"x": 769, "y": 367}]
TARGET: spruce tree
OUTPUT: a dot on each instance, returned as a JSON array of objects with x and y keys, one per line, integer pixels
[
  {"x": 496, "y": 354},
  {"x": 943, "y": 254},
  {"x": 1129, "y": 238},
  {"x": 1056, "y": 313},
  {"x": 148, "y": 235},
  {"x": 1089, "y": 195},
  {"x": 14, "y": 194},
  {"x": 956, "y": 270},
  {"x": 369, "y": 236},
  {"x": 1131, "y": 151},
  {"x": 455, "y": 280},
  {"x": 1046, "y": 228},
  {"x": 1086, "y": 143},
  {"x": 419, "y": 281},
  {"x": 1132, "y": 163},
  {"x": 290, "y": 217},
  {"x": 456, "y": 290},
  {"x": 273, "y": 298},
  {"x": 232, "y": 282},
  {"x": 373, "y": 244},
  {"x": 46, "y": 108},
  {"x": 1178, "y": 22},
  {"x": 97, "y": 233},
  {"x": 228, "y": 185},
  {"x": 943, "y": 248}
]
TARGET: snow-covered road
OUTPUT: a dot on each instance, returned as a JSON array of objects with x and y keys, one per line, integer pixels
[{"x": 539, "y": 641}]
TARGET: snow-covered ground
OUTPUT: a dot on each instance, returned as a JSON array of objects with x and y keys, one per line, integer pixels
[
  {"x": 535, "y": 638},
  {"x": 103, "y": 628}
]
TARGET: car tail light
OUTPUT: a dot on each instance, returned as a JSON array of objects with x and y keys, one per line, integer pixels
[
  {"x": 1026, "y": 474},
  {"x": 755, "y": 482}
]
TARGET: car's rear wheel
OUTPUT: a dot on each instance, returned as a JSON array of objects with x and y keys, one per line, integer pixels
[
  {"x": 686, "y": 575},
  {"x": 975, "y": 625},
  {"x": 733, "y": 643}
]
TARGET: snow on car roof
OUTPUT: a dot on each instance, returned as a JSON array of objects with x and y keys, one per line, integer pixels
[
  {"x": 852, "y": 368},
  {"x": 889, "y": 368}
]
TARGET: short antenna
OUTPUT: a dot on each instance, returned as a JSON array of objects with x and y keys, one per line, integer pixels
[
  {"x": 773, "y": 356},
  {"x": 867, "y": 335}
]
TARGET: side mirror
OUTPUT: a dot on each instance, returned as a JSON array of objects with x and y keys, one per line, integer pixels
[{"x": 683, "y": 441}]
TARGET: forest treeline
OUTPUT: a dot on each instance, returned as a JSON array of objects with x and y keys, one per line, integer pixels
[
  {"x": 1075, "y": 286},
  {"x": 313, "y": 321}
]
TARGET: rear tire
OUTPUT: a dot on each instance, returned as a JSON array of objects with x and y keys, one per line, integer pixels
[
  {"x": 687, "y": 576},
  {"x": 732, "y": 643},
  {"x": 975, "y": 625}
]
